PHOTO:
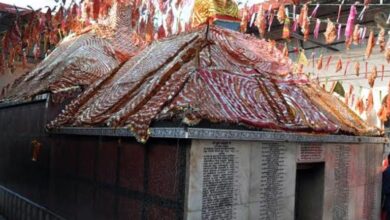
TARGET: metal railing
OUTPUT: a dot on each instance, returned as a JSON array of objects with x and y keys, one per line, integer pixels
[{"x": 15, "y": 207}]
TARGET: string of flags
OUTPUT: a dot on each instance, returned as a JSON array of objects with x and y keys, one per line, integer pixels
[
  {"x": 343, "y": 68},
  {"x": 354, "y": 33}
]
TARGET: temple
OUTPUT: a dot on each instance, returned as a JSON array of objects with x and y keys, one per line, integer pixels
[{"x": 209, "y": 123}]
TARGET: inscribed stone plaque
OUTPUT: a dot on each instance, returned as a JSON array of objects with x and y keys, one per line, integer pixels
[
  {"x": 253, "y": 180},
  {"x": 341, "y": 181},
  {"x": 372, "y": 186},
  {"x": 309, "y": 153},
  {"x": 218, "y": 186},
  {"x": 352, "y": 183},
  {"x": 272, "y": 184}
]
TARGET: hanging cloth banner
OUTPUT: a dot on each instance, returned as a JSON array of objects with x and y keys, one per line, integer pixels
[
  {"x": 303, "y": 19},
  {"x": 296, "y": 48},
  {"x": 328, "y": 62},
  {"x": 360, "y": 105},
  {"x": 339, "y": 65},
  {"x": 294, "y": 12},
  {"x": 339, "y": 13},
  {"x": 346, "y": 67},
  {"x": 285, "y": 50},
  {"x": 253, "y": 17},
  {"x": 356, "y": 35},
  {"x": 244, "y": 21},
  {"x": 295, "y": 24},
  {"x": 338, "y": 88},
  {"x": 366, "y": 70},
  {"x": 271, "y": 19},
  {"x": 287, "y": 12},
  {"x": 302, "y": 58},
  {"x": 261, "y": 21},
  {"x": 330, "y": 32},
  {"x": 314, "y": 13},
  {"x": 312, "y": 58},
  {"x": 270, "y": 12},
  {"x": 357, "y": 68},
  {"x": 350, "y": 91},
  {"x": 364, "y": 33},
  {"x": 281, "y": 16},
  {"x": 339, "y": 32},
  {"x": 350, "y": 22},
  {"x": 286, "y": 29},
  {"x": 361, "y": 30},
  {"x": 381, "y": 40},
  {"x": 319, "y": 63},
  {"x": 370, "y": 101},
  {"x": 361, "y": 15},
  {"x": 370, "y": 45},
  {"x": 346, "y": 100},
  {"x": 317, "y": 28},
  {"x": 372, "y": 77}
]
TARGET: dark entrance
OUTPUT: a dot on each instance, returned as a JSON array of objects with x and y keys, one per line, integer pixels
[{"x": 309, "y": 191}]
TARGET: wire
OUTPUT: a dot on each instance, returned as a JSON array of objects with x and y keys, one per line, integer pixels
[
  {"x": 352, "y": 74},
  {"x": 335, "y": 22},
  {"x": 356, "y": 4},
  {"x": 349, "y": 79},
  {"x": 342, "y": 24}
]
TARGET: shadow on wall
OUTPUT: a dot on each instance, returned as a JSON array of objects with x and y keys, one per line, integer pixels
[{"x": 81, "y": 177}]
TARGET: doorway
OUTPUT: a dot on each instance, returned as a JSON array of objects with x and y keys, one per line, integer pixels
[{"x": 309, "y": 191}]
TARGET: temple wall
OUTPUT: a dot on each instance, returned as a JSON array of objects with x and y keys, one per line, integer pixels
[
  {"x": 97, "y": 173},
  {"x": 255, "y": 180},
  {"x": 86, "y": 176}
]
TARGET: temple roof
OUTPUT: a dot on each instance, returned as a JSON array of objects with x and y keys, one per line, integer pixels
[
  {"x": 215, "y": 75},
  {"x": 81, "y": 58}
]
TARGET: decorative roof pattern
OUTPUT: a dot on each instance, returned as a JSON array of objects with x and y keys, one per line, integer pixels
[
  {"x": 82, "y": 58},
  {"x": 210, "y": 74}
]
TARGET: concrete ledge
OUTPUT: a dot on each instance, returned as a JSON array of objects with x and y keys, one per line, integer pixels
[
  {"x": 222, "y": 134},
  {"x": 38, "y": 98}
]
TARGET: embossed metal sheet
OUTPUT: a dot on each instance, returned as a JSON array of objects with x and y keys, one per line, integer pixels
[{"x": 215, "y": 75}]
